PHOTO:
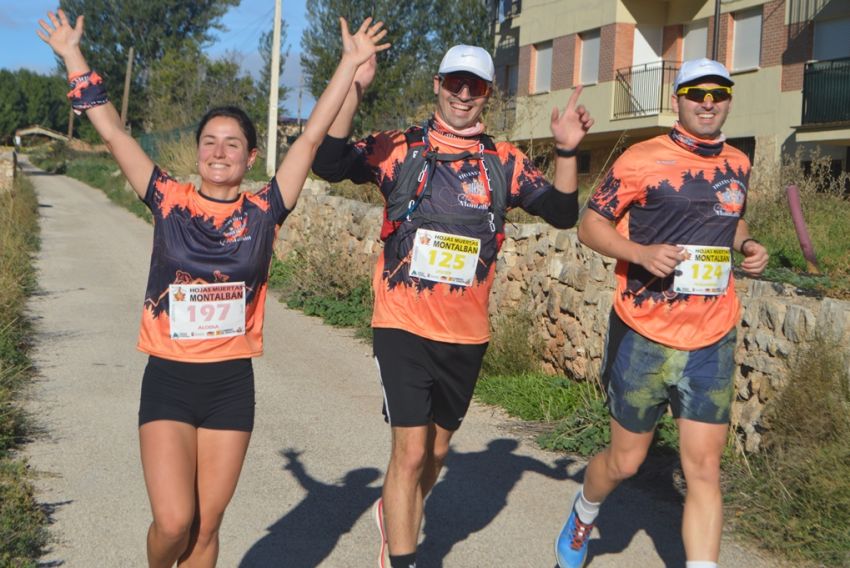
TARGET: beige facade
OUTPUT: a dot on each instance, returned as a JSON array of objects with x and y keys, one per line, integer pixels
[{"x": 790, "y": 60}]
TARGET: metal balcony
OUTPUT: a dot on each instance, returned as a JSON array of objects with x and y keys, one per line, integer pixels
[
  {"x": 644, "y": 90},
  {"x": 826, "y": 92}
]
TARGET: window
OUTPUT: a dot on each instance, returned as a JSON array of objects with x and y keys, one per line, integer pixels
[
  {"x": 746, "y": 145},
  {"x": 746, "y": 46},
  {"x": 695, "y": 40},
  {"x": 589, "y": 57},
  {"x": 512, "y": 79},
  {"x": 542, "y": 67},
  {"x": 831, "y": 39}
]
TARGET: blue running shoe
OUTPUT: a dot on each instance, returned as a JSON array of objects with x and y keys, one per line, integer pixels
[{"x": 571, "y": 544}]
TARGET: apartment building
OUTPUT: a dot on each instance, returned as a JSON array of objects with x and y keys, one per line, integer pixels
[{"x": 790, "y": 60}]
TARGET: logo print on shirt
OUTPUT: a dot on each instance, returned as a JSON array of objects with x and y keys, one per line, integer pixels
[
  {"x": 731, "y": 200},
  {"x": 235, "y": 229},
  {"x": 474, "y": 195}
]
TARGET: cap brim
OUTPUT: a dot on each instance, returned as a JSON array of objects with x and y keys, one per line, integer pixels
[
  {"x": 456, "y": 69},
  {"x": 720, "y": 80}
]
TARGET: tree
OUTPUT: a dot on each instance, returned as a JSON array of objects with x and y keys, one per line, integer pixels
[
  {"x": 420, "y": 31},
  {"x": 152, "y": 27},
  {"x": 27, "y": 99}
]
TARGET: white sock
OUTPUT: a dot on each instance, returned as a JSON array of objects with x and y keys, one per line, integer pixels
[
  {"x": 700, "y": 564},
  {"x": 587, "y": 511}
]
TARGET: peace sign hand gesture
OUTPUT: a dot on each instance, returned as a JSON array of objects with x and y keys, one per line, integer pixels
[
  {"x": 361, "y": 46},
  {"x": 60, "y": 35},
  {"x": 570, "y": 126}
]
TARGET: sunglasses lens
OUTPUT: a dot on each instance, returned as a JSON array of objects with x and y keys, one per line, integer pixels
[
  {"x": 455, "y": 84},
  {"x": 699, "y": 95}
]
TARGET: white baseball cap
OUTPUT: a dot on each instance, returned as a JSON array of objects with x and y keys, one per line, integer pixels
[
  {"x": 468, "y": 58},
  {"x": 702, "y": 68}
]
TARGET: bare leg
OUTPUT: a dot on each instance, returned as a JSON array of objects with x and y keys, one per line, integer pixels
[
  {"x": 619, "y": 461},
  {"x": 701, "y": 447},
  {"x": 402, "y": 488},
  {"x": 221, "y": 454},
  {"x": 168, "y": 451}
]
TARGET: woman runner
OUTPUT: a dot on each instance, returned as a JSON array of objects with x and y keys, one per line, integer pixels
[{"x": 203, "y": 313}]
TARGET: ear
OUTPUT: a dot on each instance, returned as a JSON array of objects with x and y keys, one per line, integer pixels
[
  {"x": 436, "y": 84},
  {"x": 674, "y": 102},
  {"x": 252, "y": 157}
]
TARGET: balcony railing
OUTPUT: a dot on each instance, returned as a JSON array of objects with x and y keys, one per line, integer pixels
[
  {"x": 644, "y": 90},
  {"x": 826, "y": 91}
]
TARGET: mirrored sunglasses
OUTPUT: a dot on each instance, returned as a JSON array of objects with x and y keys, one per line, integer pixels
[
  {"x": 698, "y": 94},
  {"x": 477, "y": 86}
]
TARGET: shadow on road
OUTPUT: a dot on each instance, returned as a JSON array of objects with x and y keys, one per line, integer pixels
[
  {"x": 473, "y": 492},
  {"x": 649, "y": 502},
  {"x": 307, "y": 534}
]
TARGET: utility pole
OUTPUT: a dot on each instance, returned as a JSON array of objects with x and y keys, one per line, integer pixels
[
  {"x": 274, "y": 91},
  {"x": 300, "y": 92},
  {"x": 126, "y": 100},
  {"x": 70, "y": 123},
  {"x": 716, "y": 38}
]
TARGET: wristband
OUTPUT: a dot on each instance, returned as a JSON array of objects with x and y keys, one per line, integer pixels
[
  {"x": 745, "y": 241},
  {"x": 87, "y": 91},
  {"x": 561, "y": 153}
]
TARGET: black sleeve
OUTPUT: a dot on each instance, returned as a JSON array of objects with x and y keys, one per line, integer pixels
[
  {"x": 556, "y": 208},
  {"x": 335, "y": 160}
]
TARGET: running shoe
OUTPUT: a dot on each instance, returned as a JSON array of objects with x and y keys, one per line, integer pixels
[
  {"x": 571, "y": 544},
  {"x": 378, "y": 514}
]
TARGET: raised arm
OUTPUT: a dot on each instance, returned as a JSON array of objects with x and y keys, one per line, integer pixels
[
  {"x": 568, "y": 130},
  {"x": 64, "y": 39},
  {"x": 357, "y": 49}
]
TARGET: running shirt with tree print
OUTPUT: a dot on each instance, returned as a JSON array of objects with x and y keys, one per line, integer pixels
[
  {"x": 438, "y": 310},
  {"x": 199, "y": 240},
  {"x": 659, "y": 192}
]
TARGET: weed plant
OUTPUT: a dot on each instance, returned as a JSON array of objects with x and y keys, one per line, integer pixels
[
  {"x": 794, "y": 497},
  {"x": 826, "y": 209},
  {"x": 322, "y": 279},
  {"x": 22, "y": 523}
]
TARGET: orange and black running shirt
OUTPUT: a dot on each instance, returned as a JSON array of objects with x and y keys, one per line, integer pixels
[
  {"x": 660, "y": 192},
  {"x": 438, "y": 310},
  {"x": 199, "y": 240}
]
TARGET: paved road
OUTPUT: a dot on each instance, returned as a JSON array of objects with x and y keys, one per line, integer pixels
[{"x": 319, "y": 448}]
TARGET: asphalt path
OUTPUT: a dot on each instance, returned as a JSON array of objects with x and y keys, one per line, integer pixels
[{"x": 319, "y": 447}]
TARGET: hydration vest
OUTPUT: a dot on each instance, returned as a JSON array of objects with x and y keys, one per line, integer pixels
[{"x": 413, "y": 184}]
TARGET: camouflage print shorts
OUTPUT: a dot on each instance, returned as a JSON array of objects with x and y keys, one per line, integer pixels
[{"x": 642, "y": 377}]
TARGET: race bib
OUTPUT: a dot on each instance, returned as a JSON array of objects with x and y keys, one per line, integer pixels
[
  {"x": 443, "y": 257},
  {"x": 205, "y": 311},
  {"x": 705, "y": 271}
]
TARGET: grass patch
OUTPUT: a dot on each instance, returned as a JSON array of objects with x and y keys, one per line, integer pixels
[
  {"x": 794, "y": 497},
  {"x": 22, "y": 523}
]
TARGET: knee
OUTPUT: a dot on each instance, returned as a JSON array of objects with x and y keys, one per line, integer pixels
[
  {"x": 208, "y": 529},
  {"x": 703, "y": 469},
  {"x": 409, "y": 459},
  {"x": 622, "y": 466},
  {"x": 173, "y": 526},
  {"x": 439, "y": 453}
]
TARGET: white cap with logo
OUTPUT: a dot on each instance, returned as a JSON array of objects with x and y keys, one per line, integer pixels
[
  {"x": 695, "y": 69},
  {"x": 468, "y": 58}
]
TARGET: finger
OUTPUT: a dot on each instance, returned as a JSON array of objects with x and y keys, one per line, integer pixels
[
  {"x": 43, "y": 36},
  {"x": 46, "y": 27},
  {"x": 343, "y": 26},
  {"x": 379, "y": 36},
  {"x": 556, "y": 114},
  {"x": 383, "y": 46},
  {"x": 62, "y": 17},
  {"x": 81, "y": 20},
  {"x": 588, "y": 124},
  {"x": 574, "y": 97},
  {"x": 373, "y": 29},
  {"x": 53, "y": 19},
  {"x": 365, "y": 25}
]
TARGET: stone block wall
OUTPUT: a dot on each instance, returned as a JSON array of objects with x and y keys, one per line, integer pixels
[{"x": 569, "y": 289}]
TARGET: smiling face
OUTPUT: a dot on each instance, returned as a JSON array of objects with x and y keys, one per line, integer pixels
[
  {"x": 459, "y": 110},
  {"x": 702, "y": 119},
  {"x": 223, "y": 154}
]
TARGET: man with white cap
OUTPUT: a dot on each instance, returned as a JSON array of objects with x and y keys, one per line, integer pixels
[
  {"x": 671, "y": 212},
  {"x": 447, "y": 187}
]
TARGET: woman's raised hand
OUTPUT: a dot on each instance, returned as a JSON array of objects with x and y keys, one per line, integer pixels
[
  {"x": 364, "y": 43},
  {"x": 60, "y": 35}
]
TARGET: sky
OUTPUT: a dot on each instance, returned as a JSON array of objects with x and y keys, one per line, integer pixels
[{"x": 20, "y": 47}]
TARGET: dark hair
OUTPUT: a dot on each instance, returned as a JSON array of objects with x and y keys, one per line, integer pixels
[{"x": 236, "y": 114}]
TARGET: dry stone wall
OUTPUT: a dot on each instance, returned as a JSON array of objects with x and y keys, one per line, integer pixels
[
  {"x": 8, "y": 168},
  {"x": 569, "y": 288}
]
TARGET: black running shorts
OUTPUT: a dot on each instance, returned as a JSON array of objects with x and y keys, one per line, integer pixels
[
  {"x": 423, "y": 380},
  {"x": 219, "y": 396}
]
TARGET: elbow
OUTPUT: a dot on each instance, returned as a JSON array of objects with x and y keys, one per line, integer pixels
[
  {"x": 566, "y": 221},
  {"x": 582, "y": 233}
]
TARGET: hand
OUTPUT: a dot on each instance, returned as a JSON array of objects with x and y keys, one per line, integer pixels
[
  {"x": 363, "y": 45},
  {"x": 569, "y": 127},
  {"x": 365, "y": 74},
  {"x": 660, "y": 260},
  {"x": 63, "y": 38},
  {"x": 291, "y": 454},
  {"x": 755, "y": 258}
]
